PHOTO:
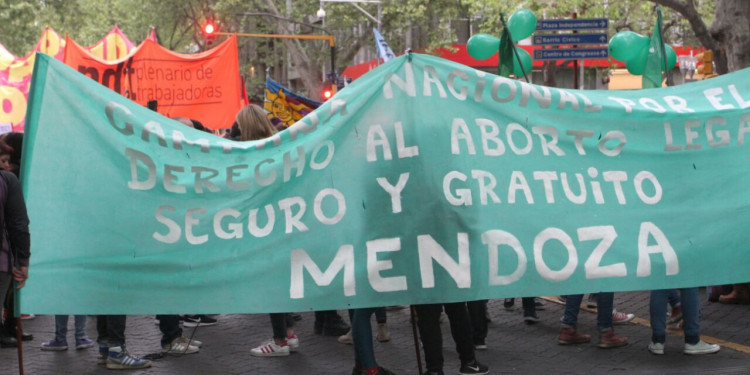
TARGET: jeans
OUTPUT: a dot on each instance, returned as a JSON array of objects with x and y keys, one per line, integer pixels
[
  {"x": 169, "y": 325},
  {"x": 674, "y": 298},
  {"x": 604, "y": 304},
  {"x": 529, "y": 306},
  {"x": 364, "y": 354},
  {"x": 478, "y": 316},
  {"x": 111, "y": 330},
  {"x": 61, "y": 327},
  {"x": 432, "y": 337},
  {"x": 690, "y": 315},
  {"x": 380, "y": 315}
]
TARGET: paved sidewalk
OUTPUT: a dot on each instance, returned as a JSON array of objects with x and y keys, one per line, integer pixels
[{"x": 514, "y": 347}]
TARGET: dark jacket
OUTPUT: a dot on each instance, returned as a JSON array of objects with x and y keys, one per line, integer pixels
[{"x": 15, "y": 223}]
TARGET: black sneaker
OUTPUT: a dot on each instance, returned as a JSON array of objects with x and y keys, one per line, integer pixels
[
  {"x": 508, "y": 303},
  {"x": 539, "y": 304},
  {"x": 198, "y": 320},
  {"x": 334, "y": 327},
  {"x": 473, "y": 368}
]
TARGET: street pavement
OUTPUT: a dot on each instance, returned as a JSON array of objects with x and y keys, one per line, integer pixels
[{"x": 513, "y": 347}]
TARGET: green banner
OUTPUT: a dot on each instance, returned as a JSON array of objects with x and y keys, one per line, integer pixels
[{"x": 423, "y": 181}]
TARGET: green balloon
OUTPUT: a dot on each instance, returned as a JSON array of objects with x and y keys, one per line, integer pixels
[
  {"x": 521, "y": 24},
  {"x": 482, "y": 46},
  {"x": 638, "y": 64},
  {"x": 626, "y": 45},
  {"x": 671, "y": 56},
  {"x": 525, "y": 61}
]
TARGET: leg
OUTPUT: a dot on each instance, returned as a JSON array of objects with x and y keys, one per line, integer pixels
[
  {"x": 458, "y": 316},
  {"x": 572, "y": 307},
  {"x": 478, "y": 317},
  {"x": 529, "y": 310},
  {"x": 658, "y": 311},
  {"x": 605, "y": 303},
  {"x": 691, "y": 315},
  {"x": 431, "y": 335},
  {"x": 116, "y": 330},
  {"x": 80, "y": 326},
  {"x": 61, "y": 328},
  {"x": 169, "y": 325},
  {"x": 380, "y": 315},
  {"x": 364, "y": 354},
  {"x": 278, "y": 324}
]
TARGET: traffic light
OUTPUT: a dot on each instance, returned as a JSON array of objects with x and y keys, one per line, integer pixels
[
  {"x": 327, "y": 93},
  {"x": 209, "y": 32}
]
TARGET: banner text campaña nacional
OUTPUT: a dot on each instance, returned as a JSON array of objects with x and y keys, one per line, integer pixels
[{"x": 424, "y": 181}]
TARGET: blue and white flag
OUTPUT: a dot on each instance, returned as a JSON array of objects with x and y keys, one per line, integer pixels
[{"x": 384, "y": 50}]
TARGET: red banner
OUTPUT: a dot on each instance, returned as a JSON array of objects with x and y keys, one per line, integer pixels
[{"x": 203, "y": 86}]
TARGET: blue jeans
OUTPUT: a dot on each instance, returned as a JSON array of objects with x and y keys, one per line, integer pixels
[
  {"x": 604, "y": 304},
  {"x": 690, "y": 315},
  {"x": 61, "y": 327},
  {"x": 364, "y": 354}
]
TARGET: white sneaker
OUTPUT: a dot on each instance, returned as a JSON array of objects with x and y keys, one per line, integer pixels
[
  {"x": 293, "y": 341},
  {"x": 656, "y": 348},
  {"x": 383, "y": 334},
  {"x": 192, "y": 342},
  {"x": 346, "y": 339},
  {"x": 179, "y": 347},
  {"x": 701, "y": 347},
  {"x": 621, "y": 318},
  {"x": 270, "y": 349}
]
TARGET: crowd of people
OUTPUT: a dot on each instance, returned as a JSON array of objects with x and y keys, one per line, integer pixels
[{"x": 467, "y": 320}]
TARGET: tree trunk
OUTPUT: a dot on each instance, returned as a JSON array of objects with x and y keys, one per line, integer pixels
[{"x": 731, "y": 29}]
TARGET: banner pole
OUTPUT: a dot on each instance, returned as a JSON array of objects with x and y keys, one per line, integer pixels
[
  {"x": 515, "y": 53},
  {"x": 663, "y": 49},
  {"x": 416, "y": 339}
]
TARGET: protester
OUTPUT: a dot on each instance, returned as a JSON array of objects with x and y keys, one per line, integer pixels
[
  {"x": 111, "y": 340},
  {"x": 253, "y": 124},
  {"x": 478, "y": 315},
  {"x": 60, "y": 342},
  {"x": 607, "y": 338},
  {"x": 690, "y": 318},
  {"x": 364, "y": 354},
  {"x": 432, "y": 337},
  {"x": 15, "y": 245}
]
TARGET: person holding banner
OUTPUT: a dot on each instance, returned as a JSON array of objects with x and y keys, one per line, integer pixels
[
  {"x": 253, "y": 124},
  {"x": 607, "y": 338},
  {"x": 691, "y": 322}
]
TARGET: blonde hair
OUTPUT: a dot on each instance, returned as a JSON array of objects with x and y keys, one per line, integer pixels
[{"x": 253, "y": 123}]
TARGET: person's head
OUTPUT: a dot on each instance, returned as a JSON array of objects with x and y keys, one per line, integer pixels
[
  {"x": 15, "y": 141},
  {"x": 5, "y": 152},
  {"x": 253, "y": 123}
]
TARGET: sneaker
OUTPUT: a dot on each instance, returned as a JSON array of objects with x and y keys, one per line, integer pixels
[
  {"x": 508, "y": 303},
  {"x": 381, "y": 371},
  {"x": 473, "y": 368},
  {"x": 530, "y": 318},
  {"x": 591, "y": 301},
  {"x": 192, "y": 342},
  {"x": 608, "y": 339},
  {"x": 198, "y": 320},
  {"x": 656, "y": 348},
  {"x": 84, "y": 343},
  {"x": 480, "y": 344},
  {"x": 676, "y": 315},
  {"x": 562, "y": 298},
  {"x": 270, "y": 349},
  {"x": 621, "y": 318},
  {"x": 346, "y": 339},
  {"x": 434, "y": 373},
  {"x": 383, "y": 335},
  {"x": 570, "y": 336},
  {"x": 103, "y": 354},
  {"x": 296, "y": 317},
  {"x": 701, "y": 347},
  {"x": 27, "y": 316},
  {"x": 55, "y": 346},
  {"x": 177, "y": 346},
  {"x": 293, "y": 341},
  {"x": 119, "y": 359}
]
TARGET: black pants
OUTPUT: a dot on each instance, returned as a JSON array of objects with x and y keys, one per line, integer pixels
[
  {"x": 432, "y": 337},
  {"x": 111, "y": 330},
  {"x": 169, "y": 325},
  {"x": 279, "y": 323},
  {"x": 478, "y": 316}
]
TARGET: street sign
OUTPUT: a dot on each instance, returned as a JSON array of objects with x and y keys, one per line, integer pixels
[
  {"x": 563, "y": 39},
  {"x": 571, "y": 53},
  {"x": 573, "y": 24}
]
